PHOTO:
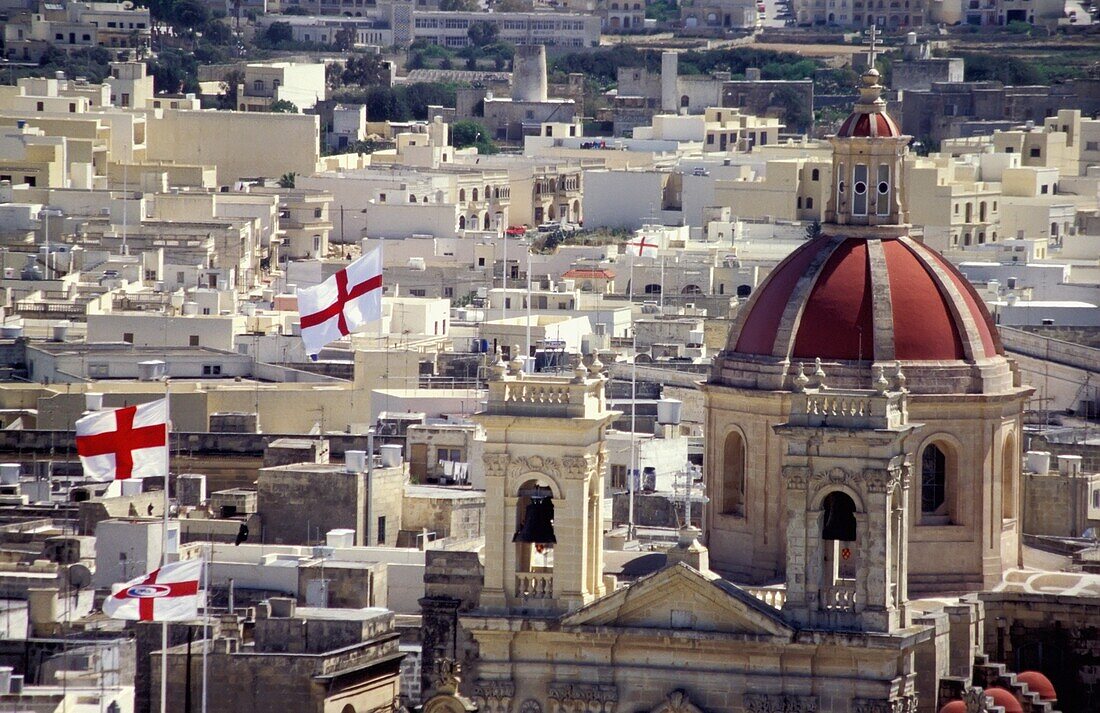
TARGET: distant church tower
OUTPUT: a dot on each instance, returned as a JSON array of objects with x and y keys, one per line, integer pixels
[{"x": 545, "y": 463}]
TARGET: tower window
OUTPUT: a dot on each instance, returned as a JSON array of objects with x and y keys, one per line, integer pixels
[
  {"x": 883, "y": 190},
  {"x": 859, "y": 187},
  {"x": 733, "y": 474},
  {"x": 933, "y": 480},
  {"x": 839, "y": 518}
]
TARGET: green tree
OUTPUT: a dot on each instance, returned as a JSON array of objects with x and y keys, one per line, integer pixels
[
  {"x": 278, "y": 32},
  {"x": 282, "y": 106},
  {"x": 470, "y": 133},
  {"x": 287, "y": 180},
  {"x": 458, "y": 5},
  {"x": 366, "y": 70},
  {"x": 191, "y": 14},
  {"x": 482, "y": 33},
  {"x": 344, "y": 39}
]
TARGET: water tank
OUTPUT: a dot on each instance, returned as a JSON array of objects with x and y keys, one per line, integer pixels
[
  {"x": 11, "y": 331},
  {"x": 417, "y": 264},
  {"x": 668, "y": 411},
  {"x": 391, "y": 455},
  {"x": 151, "y": 370},
  {"x": 341, "y": 537},
  {"x": 1069, "y": 466},
  {"x": 93, "y": 401},
  {"x": 355, "y": 461},
  {"x": 1038, "y": 462},
  {"x": 695, "y": 336},
  {"x": 190, "y": 309},
  {"x": 9, "y": 473},
  {"x": 60, "y": 331}
]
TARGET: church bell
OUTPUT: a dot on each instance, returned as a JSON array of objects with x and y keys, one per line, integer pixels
[
  {"x": 538, "y": 522},
  {"x": 839, "y": 521}
]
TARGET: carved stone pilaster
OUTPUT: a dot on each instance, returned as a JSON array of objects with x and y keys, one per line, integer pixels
[
  {"x": 582, "y": 698},
  {"x": 779, "y": 703},
  {"x": 494, "y": 696}
]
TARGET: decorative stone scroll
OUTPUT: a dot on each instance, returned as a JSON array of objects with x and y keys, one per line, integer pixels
[
  {"x": 582, "y": 698},
  {"x": 677, "y": 702},
  {"x": 779, "y": 703},
  {"x": 906, "y": 704}
]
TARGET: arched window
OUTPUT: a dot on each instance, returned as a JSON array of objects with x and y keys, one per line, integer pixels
[
  {"x": 349, "y": 708},
  {"x": 733, "y": 474},
  {"x": 462, "y": 195},
  {"x": 534, "y": 540},
  {"x": 809, "y": 202},
  {"x": 685, "y": 101},
  {"x": 815, "y": 175},
  {"x": 652, "y": 289},
  {"x": 691, "y": 290},
  {"x": 1010, "y": 461},
  {"x": 744, "y": 291},
  {"x": 838, "y": 521},
  {"x": 485, "y": 222},
  {"x": 473, "y": 195},
  {"x": 461, "y": 222},
  {"x": 933, "y": 483}
]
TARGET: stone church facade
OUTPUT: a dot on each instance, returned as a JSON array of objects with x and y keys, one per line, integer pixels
[{"x": 862, "y": 351}]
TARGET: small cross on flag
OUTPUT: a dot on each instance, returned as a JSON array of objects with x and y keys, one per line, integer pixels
[
  {"x": 170, "y": 593},
  {"x": 122, "y": 443}
]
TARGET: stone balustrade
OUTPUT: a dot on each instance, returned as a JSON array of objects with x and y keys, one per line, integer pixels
[
  {"x": 840, "y": 596},
  {"x": 534, "y": 585},
  {"x": 772, "y": 596}
]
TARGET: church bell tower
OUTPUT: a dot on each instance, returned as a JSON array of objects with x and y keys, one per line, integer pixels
[{"x": 544, "y": 480}]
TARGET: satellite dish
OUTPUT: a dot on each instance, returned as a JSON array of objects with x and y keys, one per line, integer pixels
[{"x": 79, "y": 576}]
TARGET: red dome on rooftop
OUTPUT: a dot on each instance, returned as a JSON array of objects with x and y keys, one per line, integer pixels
[
  {"x": 1038, "y": 683},
  {"x": 954, "y": 707},
  {"x": 861, "y": 124},
  {"x": 1004, "y": 699},
  {"x": 872, "y": 299}
]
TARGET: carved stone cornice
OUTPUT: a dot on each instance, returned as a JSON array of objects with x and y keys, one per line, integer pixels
[{"x": 779, "y": 703}]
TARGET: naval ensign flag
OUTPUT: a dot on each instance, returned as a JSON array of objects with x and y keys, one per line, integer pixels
[{"x": 170, "y": 593}]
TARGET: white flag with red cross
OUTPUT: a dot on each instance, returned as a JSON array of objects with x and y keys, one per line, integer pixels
[
  {"x": 347, "y": 300},
  {"x": 121, "y": 443},
  {"x": 170, "y": 593},
  {"x": 643, "y": 246}
]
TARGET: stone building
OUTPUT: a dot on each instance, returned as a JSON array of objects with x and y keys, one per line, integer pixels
[
  {"x": 303, "y": 659},
  {"x": 861, "y": 298},
  {"x": 300, "y": 503},
  {"x": 888, "y": 457}
]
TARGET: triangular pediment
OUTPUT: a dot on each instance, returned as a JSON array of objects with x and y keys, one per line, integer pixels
[{"x": 680, "y": 597}]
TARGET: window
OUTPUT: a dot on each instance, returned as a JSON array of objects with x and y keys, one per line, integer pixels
[
  {"x": 883, "y": 190},
  {"x": 317, "y": 212},
  {"x": 1044, "y": 189},
  {"x": 815, "y": 175},
  {"x": 1092, "y": 145},
  {"x": 481, "y": 262},
  {"x": 1035, "y": 152},
  {"x": 733, "y": 474},
  {"x": 128, "y": 337},
  {"x": 193, "y": 340},
  {"x": 859, "y": 187},
  {"x": 453, "y": 455},
  {"x": 40, "y": 106},
  {"x": 98, "y": 371},
  {"x": 382, "y": 530},
  {"x": 933, "y": 480},
  {"x": 618, "y": 477},
  {"x": 211, "y": 369},
  {"x": 179, "y": 277},
  {"x": 258, "y": 85},
  {"x": 1009, "y": 460}
]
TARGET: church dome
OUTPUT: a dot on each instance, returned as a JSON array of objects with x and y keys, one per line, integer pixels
[
  {"x": 954, "y": 707},
  {"x": 856, "y": 299},
  {"x": 1038, "y": 683}
]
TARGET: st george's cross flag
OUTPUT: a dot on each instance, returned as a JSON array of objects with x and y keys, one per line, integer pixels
[
  {"x": 347, "y": 300},
  {"x": 643, "y": 247},
  {"x": 121, "y": 443},
  {"x": 170, "y": 593}
]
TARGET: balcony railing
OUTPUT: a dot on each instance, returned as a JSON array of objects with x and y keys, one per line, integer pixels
[
  {"x": 534, "y": 585},
  {"x": 841, "y": 596}
]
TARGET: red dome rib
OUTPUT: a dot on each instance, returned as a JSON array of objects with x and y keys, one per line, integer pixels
[
  {"x": 978, "y": 310},
  {"x": 759, "y": 329},
  {"x": 954, "y": 707},
  {"x": 836, "y": 320},
  {"x": 924, "y": 327},
  {"x": 1006, "y": 700}
]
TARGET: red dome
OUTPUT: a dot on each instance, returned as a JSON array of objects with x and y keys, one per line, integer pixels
[
  {"x": 1038, "y": 683},
  {"x": 866, "y": 299},
  {"x": 954, "y": 707},
  {"x": 1004, "y": 699},
  {"x": 865, "y": 124}
]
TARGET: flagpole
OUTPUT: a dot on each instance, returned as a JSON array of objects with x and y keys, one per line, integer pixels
[
  {"x": 207, "y": 637},
  {"x": 529, "y": 299},
  {"x": 164, "y": 542},
  {"x": 633, "y": 404}
]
